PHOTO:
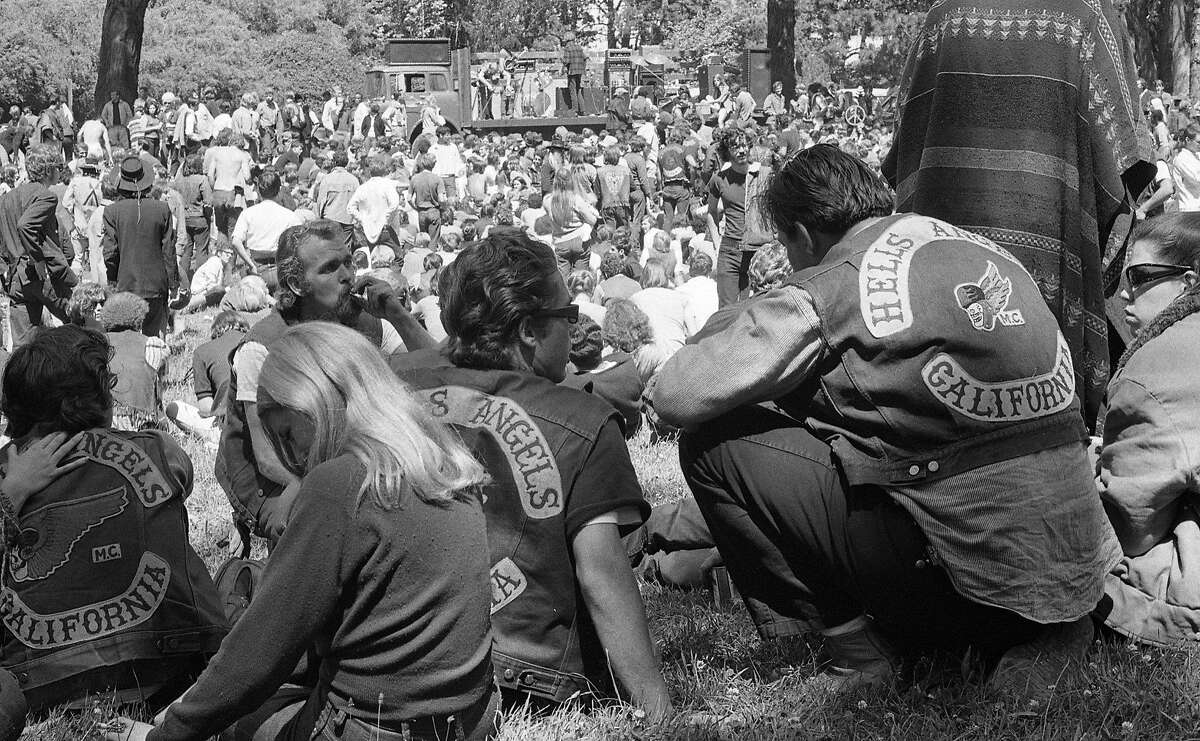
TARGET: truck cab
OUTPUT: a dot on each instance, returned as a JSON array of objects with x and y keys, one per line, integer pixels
[{"x": 420, "y": 72}]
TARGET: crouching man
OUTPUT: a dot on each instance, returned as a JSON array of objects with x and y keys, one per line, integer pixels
[
  {"x": 101, "y": 589},
  {"x": 894, "y": 433}
]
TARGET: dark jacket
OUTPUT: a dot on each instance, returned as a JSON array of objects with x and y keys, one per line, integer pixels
[
  {"x": 618, "y": 114},
  {"x": 236, "y": 467},
  {"x": 111, "y": 594},
  {"x": 557, "y": 460},
  {"x": 139, "y": 247},
  {"x": 29, "y": 242}
]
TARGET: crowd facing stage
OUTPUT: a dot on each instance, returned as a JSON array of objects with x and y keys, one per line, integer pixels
[{"x": 885, "y": 351}]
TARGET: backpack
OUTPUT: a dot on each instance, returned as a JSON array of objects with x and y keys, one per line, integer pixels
[{"x": 237, "y": 582}]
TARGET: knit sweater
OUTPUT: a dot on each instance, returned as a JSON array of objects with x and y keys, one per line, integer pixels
[{"x": 394, "y": 601}]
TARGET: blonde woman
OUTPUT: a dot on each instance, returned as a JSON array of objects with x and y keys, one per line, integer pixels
[{"x": 383, "y": 567}]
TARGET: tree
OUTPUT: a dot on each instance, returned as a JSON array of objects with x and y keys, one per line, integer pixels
[
  {"x": 856, "y": 42},
  {"x": 123, "y": 27},
  {"x": 781, "y": 44},
  {"x": 194, "y": 44},
  {"x": 48, "y": 49}
]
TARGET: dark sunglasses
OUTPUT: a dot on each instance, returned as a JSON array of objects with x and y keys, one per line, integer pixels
[
  {"x": 1140, "y": 275},
  {"x": 570, "y": 312}
]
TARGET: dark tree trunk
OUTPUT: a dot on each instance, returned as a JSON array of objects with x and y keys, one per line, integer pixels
[
  {"x": 781, "y": 44},
  {"x": 120, "y": 49},
  {"x": 1175, "y": 47}
]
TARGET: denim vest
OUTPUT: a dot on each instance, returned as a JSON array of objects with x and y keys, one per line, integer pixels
[
  {"x": 236, "y": 470},
  {"x": 137, "y": 382},
  {"x": 534, "y": 438},
  {"x": 945, "y": 357},
  {"x": 103, "y": 573}
]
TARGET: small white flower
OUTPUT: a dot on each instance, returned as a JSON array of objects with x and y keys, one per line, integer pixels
[
  {"x": 1127, "y": 727},
  {"x": 862, "y": 704},
  {"x": 889, "y": 716}
]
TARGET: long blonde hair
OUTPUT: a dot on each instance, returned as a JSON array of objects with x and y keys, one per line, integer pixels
[{"x": 335, "y": 377}]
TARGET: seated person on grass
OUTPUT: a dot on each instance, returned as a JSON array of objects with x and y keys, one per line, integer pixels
[
  {"x": 101, "y": 587},
  {"x": 1147, "y": 473},
  {"x": 382, "y": 572},
  {"x": 208, "y": 282},
  {"x": 210, "y": 379},
  {"x": 565, "y": 607},
  {"x": 137, "y": 361}
]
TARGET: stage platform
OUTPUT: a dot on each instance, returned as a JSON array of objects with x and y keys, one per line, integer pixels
[{"x": 544, "y": 126}]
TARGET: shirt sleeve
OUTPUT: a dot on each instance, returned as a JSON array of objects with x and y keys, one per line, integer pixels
[
  {"x": 392, "y": 343},
  {"x": 201, "y": 381},
  {"x": 156, "y": 353},
  {"x": 606, "y": 483},
  {"x": 1146, "y": 466},
  {"x": 248, "y": 363},
  {"x": 745, "y": 354},
  {"x": 265, "y": 645}
]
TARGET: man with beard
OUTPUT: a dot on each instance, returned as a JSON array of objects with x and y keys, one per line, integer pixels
[{"x": 316, "y": 283}]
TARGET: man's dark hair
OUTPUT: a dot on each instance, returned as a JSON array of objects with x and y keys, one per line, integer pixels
[
  {"x": 586, "y": 344},
  {"x": 59, "y": 380},
  {"x": 826, "y": 190},
  {"x": 291, "y": 268},
  {"x": 228, "y": 321},
  {"x": 269, "y": 182},
  {"x": 613, "y": 264},
  {"x": 699, "y": 264},
  {"x": 339, "y": 158},
  {"x": 488, "y": 291}
]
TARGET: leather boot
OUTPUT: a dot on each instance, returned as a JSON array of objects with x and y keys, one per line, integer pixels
[
  {"x": 861, "y": 656},
  {"x": 1032, "y": 671}
]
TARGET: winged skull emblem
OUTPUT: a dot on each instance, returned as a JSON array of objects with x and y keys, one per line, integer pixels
[
  {"x": 50, "y": 533},
  {"x": 987, "y": 301}
]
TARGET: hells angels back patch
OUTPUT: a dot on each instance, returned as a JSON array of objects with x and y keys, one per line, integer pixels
[{"x": 62, "y": 537}]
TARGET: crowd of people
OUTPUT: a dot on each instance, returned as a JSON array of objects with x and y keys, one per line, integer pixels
[{"x": 428, "y": 354}]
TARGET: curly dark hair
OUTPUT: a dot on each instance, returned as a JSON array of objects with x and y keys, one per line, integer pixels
[
  {"x": 626, "y": 327},
  {"x": 487, "y": 292},
  {"x": 59, "y": 381}
]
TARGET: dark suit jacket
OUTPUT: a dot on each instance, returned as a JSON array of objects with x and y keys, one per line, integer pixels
[
  {"x": 139, "y": 247},
  {"x": 29, "y": 241}
]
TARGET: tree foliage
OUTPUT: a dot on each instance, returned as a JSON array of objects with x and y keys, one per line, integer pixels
[
  {"x": 308, "y": 45},
  {"x": 47, "y": 47}
]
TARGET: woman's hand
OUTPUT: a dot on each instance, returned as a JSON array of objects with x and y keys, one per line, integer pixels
[
  {"x": 36, "y": 467},
  {"x": 125, "y": 729}
]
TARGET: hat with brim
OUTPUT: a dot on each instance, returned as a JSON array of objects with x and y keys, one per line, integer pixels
[{"x": 135, "y": 176}]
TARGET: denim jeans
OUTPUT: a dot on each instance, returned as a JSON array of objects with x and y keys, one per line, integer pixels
[
  {"x": 732, "y": 271},
  {"x": 818, "y": 553}
]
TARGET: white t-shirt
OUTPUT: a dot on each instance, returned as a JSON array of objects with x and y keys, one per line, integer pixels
[
  {"x": 1186, "y": 169},
  {"x": 208, "y": 276},
  {"x": 258, "y": 227}
]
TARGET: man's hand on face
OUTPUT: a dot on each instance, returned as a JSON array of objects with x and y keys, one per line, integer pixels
[{"x": 376, "y": 297}]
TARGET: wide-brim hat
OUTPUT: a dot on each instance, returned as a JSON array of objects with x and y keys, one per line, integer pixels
[{"x": 135, "y": 176}]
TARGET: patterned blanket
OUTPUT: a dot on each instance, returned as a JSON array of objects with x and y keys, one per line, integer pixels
[{"x": 1020, "y": 122}]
